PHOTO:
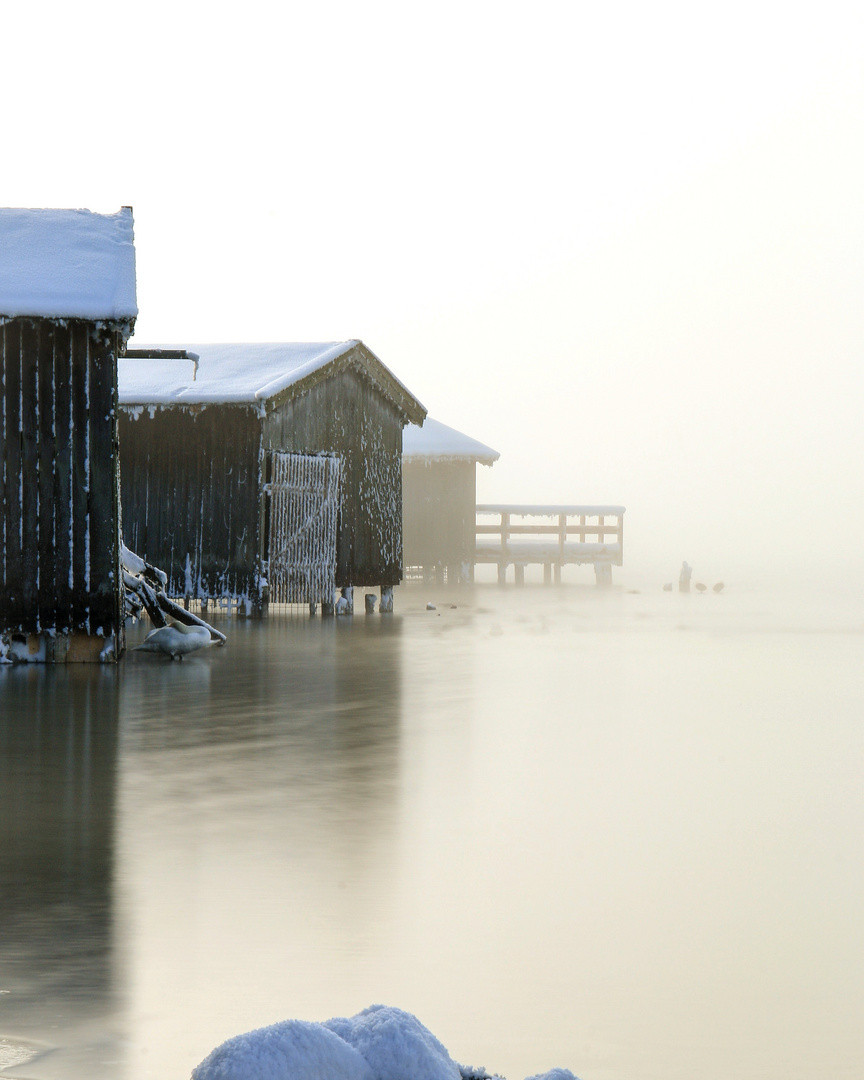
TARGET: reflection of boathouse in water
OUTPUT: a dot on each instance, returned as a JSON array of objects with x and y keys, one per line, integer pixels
[
  {"x": 58, "y": 796},
  {"x": 67, "y": 306},
  {"x": 264, "y": 473},
  {"x": 439, "y": 494}
]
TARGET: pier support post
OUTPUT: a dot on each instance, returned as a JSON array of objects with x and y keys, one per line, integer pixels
[
  {"x": 603, "y": 574},
  {"x": 386, "y": 605}
]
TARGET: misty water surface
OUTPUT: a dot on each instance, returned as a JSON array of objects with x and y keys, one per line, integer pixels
[{"x": 618, "y": 832}]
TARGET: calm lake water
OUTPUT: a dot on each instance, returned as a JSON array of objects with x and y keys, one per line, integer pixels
[{"x": 614, "y": 831}]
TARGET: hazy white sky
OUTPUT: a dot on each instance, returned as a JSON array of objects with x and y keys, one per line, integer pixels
[{"x": 620, "y": 243}]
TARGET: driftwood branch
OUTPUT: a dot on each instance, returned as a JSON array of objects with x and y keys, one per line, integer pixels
[
  {"x": 144, "y": 585},
  {"x": 180, "y": 614}
]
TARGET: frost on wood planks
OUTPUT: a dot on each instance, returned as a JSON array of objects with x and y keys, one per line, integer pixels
[
  {"x": 203, "y": 495},
  {"x": 59, "y": 571},
  {"x": 67, "y": 307}
]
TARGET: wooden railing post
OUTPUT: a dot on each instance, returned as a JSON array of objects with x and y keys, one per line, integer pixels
[
  {"x": 584, "y": 524},
  {"x": 620, "y": 539},
  {"x": 505, "y": 536}
]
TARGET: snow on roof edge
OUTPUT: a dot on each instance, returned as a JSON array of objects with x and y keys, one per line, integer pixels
[
  {"x": 438, "y": 442},
  {"x": 67, "y": 264},
  {"x": 549, "y": 510},
  {"x": 398, "y": 382},
  {"x": 237, "y": 373},
  {"x": 275, "y": 386}
]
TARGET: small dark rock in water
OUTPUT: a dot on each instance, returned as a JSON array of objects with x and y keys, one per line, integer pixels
[
  {"x": 452, "y": 607},
  {"x": 700, "y": 587},
  {"x": 430, "y": 606},
  {"x": 718, "y": 587},
  {"x": 632, "y": 592}
]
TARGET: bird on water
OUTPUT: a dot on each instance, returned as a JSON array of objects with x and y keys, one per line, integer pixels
[{"x": 176, "y": 640}]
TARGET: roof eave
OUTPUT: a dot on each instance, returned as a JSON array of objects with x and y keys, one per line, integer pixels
[{"x": 362, "y": 358}]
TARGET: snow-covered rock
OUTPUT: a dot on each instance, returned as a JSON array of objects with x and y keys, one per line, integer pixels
[
  {"x": 554, "y": 1074},
  {"x": 290, "y": 1050},
  {"x": 379, "y": 1043},
  {"x": 396, "y": 1045}
]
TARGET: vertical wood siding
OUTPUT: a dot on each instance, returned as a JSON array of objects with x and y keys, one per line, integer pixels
[
  {"x": 304, "y": 494},
  {"x": 348, "y": 416},
  {"x": 60, "y": 566},
  {"x": 190, "y": 488},
  {"x": 192, "y": 485},
  {"x": 439, "y": 500}
]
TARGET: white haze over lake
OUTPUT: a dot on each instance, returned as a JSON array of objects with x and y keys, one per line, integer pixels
[{"x": 622, "y": 245}]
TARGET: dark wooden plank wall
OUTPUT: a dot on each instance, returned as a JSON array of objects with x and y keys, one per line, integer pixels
[
  {"x": 190, "y": 487},
  {"x": 60, "y": 515},
  {"x": 439, "y": 499},
  {"x": 348, "y": 416}
]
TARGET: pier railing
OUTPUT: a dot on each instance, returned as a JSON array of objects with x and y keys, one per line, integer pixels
[{"x": 552, "y": 536}]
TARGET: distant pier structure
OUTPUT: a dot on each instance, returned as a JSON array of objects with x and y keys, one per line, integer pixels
[
  {"x": 447, "y": 534},
  {"x": 439, "y": 495},
  {"x": 550, "y": 536},
  {"x": 67, "y": 307}
]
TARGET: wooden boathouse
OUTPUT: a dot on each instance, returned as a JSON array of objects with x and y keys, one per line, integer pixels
[
  {"x": 439, "y": 493},
  {"x": 67, "y": 307},
  {"x": 264, "y": 473}
]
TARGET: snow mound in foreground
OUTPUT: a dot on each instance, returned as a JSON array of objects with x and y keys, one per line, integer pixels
[
  {"x": 290, "y": 1050},
  {"x": 380, "y": 1043},
  {"x": 396, "y": 1045},
  {"x": 555, "y": 1074}
]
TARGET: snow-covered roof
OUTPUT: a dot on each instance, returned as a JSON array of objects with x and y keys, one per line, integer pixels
[
  {"x": 71, "y": 264},
  {"x": 251, "y": 373},
  {"x": 436, "y": 441}
]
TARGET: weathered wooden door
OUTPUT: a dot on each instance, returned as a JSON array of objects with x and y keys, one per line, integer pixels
[{"x": 304, "y": 517}]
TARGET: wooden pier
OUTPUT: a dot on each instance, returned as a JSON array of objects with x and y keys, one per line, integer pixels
[{"x": 549, "y": 536}]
